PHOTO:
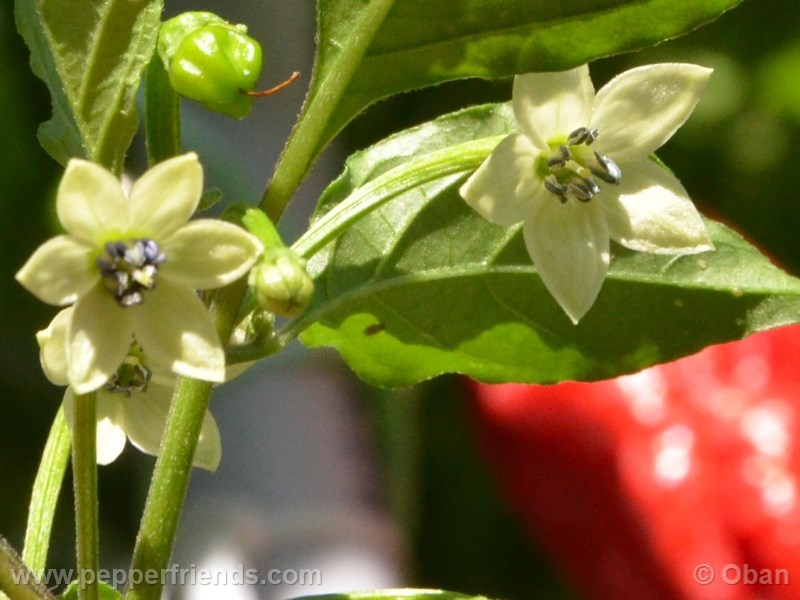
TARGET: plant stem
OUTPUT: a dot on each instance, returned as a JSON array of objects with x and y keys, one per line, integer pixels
[
  {"x": 16, "y": 580},
  {"x": 306, "y": 140},
  {"x": 44, "y": 497},
  {"x": 168, "y": 487},
  {"x": 162, "y": 105},
  {"x": 461, "y": 158},
  {"x": 84, "y": 472}
]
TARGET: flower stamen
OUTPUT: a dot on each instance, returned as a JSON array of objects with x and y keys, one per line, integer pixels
[
  {"x": 129, "y": 268},
  {"x": 608, "y": 170},
  {"x": 132, "y": 376},
  {"x": 582, "y": 135},
  {"x": 572, "y": 167}
]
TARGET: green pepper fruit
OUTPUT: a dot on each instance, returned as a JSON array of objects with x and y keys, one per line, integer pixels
[{"x": 211, "y": 61}]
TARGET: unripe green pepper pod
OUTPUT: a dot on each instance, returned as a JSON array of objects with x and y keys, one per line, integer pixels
[{"x": 211, "y": 61}]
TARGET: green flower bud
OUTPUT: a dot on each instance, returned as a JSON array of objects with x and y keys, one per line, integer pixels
[
  {"x": 211, "y": 61},
  {"x": 281, "y": 284}
]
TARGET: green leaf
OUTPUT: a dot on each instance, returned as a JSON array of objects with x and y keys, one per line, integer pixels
[
  {"x": 91, "y": 54},
  {"x": 422, "y": 43},
  {"x": 423, "y": 285}
]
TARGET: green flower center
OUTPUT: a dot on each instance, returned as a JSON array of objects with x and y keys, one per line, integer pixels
[
  {"x": 130, "y": 267},
  {"x": 132, "y": 375},
  {"x": 570, "y": 166}
]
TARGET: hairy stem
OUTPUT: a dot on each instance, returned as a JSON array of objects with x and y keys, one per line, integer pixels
[
  {"x": 16, "y": 580},
  {"x": 44, "y": 497},
  {"x": 168, "y": 487},
  {"x": 306, "y": 140},
  {"x": 84, "y": 472}
]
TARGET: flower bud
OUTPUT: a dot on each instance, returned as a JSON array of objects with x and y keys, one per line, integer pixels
[
  {"x": 281, "y": 283},
  {"x": 211, "y": 61}
]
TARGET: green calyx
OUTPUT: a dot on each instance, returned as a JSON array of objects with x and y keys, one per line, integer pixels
[{"x": 211, "y": 61}]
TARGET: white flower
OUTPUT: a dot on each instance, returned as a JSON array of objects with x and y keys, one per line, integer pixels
[
  {"x": 130, "y": 266},
  {"x": 579, "y": 173},
  {"x": 133, "y": 404}
]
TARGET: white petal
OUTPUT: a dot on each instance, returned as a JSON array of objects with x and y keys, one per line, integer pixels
[
  {"x": 569, "y": 247},
  {"x": 98, "y": 339},
  {"x": 551, "y": 104},
  {"x": 640, "y": 109},
  {"x": 166, "y": 196},
  {"x": 110, "y": 428},
  {"x": 60, "y": 270},
  {"x": 144, "y": 415},
  {"x": 653, "y": 212},
  {"x": 504, "y": 188},
  {"x": 110, "y": 434},
  {"x": 90, "y": 201},
  {"x": 52, "y": 347},
  {"x": 175, "y": 329},
  {"x": 209, "y": 446},
  {"x": 207, "y": 254}
]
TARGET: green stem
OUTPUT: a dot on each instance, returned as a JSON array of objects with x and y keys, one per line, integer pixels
[
  {"x": 162, "y": 105},
  {"x": 461, "y": 158},
  {"x": 84, "y": 473},
  {"x": 168, "y": 487},
  {"x": 44, "y": 498},
  {"x": 16, "y": 579},
  {"x": 306, "y": 140}
]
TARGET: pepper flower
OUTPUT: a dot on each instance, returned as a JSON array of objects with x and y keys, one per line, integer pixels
[
  {"x": 130, "y": 267},
  {"x": 579, "y": 172},
  {"x": 132, "y": 404}
]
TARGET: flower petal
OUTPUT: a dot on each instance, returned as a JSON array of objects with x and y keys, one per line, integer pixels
[
  {"x": 59, "y": 271},
  {"x": 550, "y": 104},
  {"x": 569, "y": 247},
  {"x": 110, "y": 429},
  {"x": 98, "y": 339},
  {"x": 175, "y": 329},
  {"x": 504, "y": 188},
  {"x": 166, "y": 196},
  {"x": 90, "y": 201},
  {"x": 52, "y": 347},
  {"x": 145, "y": 416},
  {"x": 209, "y": 446},
  {"x": 653, "y": 213},
  {"x": 208, "y": 253},
  {"x": 640, "y": 109},
  {"x": 110, "y": 434}
]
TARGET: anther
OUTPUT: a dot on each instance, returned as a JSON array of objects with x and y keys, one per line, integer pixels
[
  {"x": 559, "y": 160},
  {"x": 129, "y": 268},
  {"x": 556, "y": 188},
  {"x": 583, "y": 189},
  {"x": 608, "y": 170},
  {"x": 583, "y": 135}
]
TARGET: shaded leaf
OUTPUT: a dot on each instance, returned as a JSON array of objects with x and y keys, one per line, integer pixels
[{"x": 91, "y": 54}]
